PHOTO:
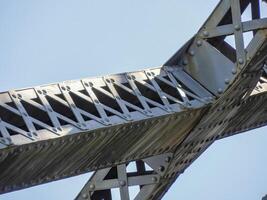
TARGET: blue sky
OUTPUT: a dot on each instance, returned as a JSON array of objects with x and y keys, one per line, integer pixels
[{"x": 50, "y": 41}]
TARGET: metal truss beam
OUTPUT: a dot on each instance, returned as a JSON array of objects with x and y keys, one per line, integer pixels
[
  {"x": 241, "y": 81},
  {"x": 100, "y": 184},
  {"x": 164, "y": 117}
]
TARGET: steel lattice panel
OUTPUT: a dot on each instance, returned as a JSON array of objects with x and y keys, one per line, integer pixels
[
  {"x": 165, "y": 116},
  {"x": 93, "y": 123}
]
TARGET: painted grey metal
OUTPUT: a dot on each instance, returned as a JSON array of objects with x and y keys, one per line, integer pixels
[
  {"x": 165, "y": 117},
  {"x": 117, "y": 177},
  {"x": 216, "y": 72},
  {"x": 73, "y": 106}
]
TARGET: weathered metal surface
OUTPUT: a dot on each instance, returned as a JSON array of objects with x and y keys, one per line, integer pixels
[
  {"x": 241, "y": 107},
  {"x": 61, "y": 130},
  {"x": 187, "y": 152},
  {"x": 46, "y": 161},
  {"x": 103, "y": 180},
  {"x": 207, "y": 91}
]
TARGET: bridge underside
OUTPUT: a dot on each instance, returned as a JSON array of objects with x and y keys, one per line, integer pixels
[{"x": 161, "y": 117}]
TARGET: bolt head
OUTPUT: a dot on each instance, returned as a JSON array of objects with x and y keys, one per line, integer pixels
[
  {"x": 227, "y": 81},
  {"x": 92, "y": 186},
  {"x": 240, "y": 61},
  {"x": 185, "y": 62},
  {"x": 199, "y": 43},
  {"x": 122, "y": 183},
  {"x": 161, "y": 168},
  {"x": 85, "y": 196},
  {"x": 220, "y": 90},
  {"x": 206, "y": 33},
  {"x": 234, "y": 71},
  {"x": 237, "y": 27},
  {"x": 154, "y": 179},
  {"x": 168, "y": 159},
  {"x": 191, "y": 53}
]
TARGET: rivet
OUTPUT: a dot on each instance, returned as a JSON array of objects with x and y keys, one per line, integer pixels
[
  {"x": 168, "y": 159},
  {"x": 92, "y": 186},
  {"x": 237, "y": 27},
  {"x": 220, "y": 90},
  {"x": 185, "y": 62},
  {"x": 154, "y": 179},
  {"x": 227, "y": 81},
  {"x": 240, "y": 61},
  {"x": 206, "y": 33},
  {"x": 85, "y": 196},
  {"x": 191, "y": 53},
  {"x": 199, "y": 43},
  {"x": 122, "y": 183},
  {"x": 234, "y": 71},
  {"x": 161, "y": 168}
]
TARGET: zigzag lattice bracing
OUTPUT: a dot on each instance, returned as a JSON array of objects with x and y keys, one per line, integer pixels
[{"x": 164, "y": 117}]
